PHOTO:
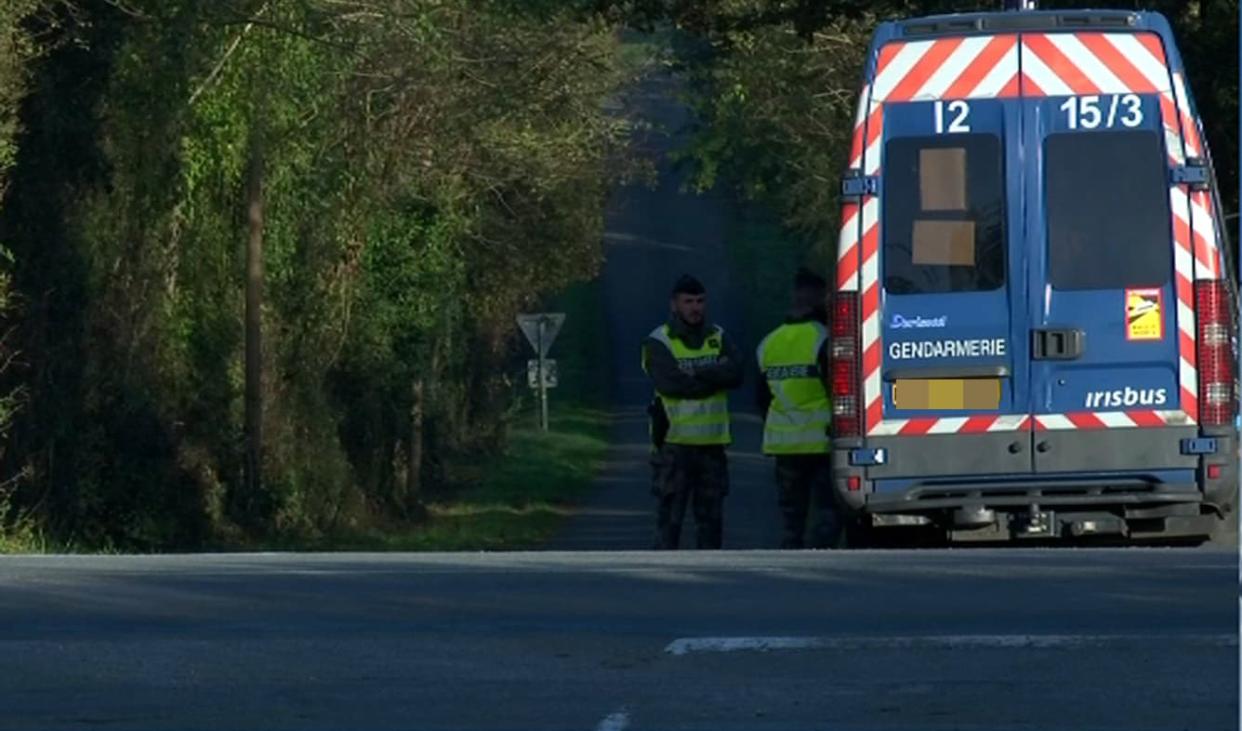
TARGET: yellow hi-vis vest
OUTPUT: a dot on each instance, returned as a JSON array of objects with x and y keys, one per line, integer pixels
[
  {"x": 798, "y": 418},
  {"x": 702, "y": 421}
]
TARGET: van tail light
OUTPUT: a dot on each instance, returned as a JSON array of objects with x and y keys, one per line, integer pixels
[
  {"x": 845, "y": 356},
  {"x": 1217, "y": 397}
]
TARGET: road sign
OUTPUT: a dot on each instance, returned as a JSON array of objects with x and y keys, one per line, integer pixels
[
  {"x": 541, "y": 328},
  {"x": 530, "y": 324},
  {"x": 550, "y": 379}
]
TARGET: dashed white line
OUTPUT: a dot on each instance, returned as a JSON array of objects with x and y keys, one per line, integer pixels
[
  {"x": 687, "y": 645},
  {"x": 615, "y": 722}
]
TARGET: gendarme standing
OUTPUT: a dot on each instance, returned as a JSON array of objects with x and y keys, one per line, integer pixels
[{"x": 692, "y": 364}]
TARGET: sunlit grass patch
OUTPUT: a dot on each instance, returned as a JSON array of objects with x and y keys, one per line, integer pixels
[{"x": 515, "y": 500}]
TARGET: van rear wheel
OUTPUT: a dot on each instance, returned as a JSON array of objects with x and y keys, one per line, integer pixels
[
  {"x": 859, "y": 533},
  {"x": 1225, "y": 532}
]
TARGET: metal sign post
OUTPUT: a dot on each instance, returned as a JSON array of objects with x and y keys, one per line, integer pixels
[
  {"x": 540, "y": 330},
  {"x": 543, "y": 385}
]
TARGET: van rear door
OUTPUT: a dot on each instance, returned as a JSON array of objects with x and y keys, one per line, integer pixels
[
  {"x": 945, "y": 366},
  {"x": 1110, "y": 298}
]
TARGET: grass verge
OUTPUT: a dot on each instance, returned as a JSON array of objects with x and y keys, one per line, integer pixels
[
  {"x": 513, "y": 501},
  {"x": 518, "y": 499}
]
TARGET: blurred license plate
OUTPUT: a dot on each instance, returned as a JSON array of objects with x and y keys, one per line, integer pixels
[{"x": 947, "y": 394}]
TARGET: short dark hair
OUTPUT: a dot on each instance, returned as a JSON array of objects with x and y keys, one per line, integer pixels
[
  {"x": 687, "y": 284},
  {"x": 807, "y": 279}
]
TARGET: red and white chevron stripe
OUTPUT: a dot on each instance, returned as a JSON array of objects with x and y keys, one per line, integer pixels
[
  {"x": 980, "y": 67},
  {"x": 847, "y": 243},
  {"x": 1110, "y": 420},
  {"x": 1070, "y": 64},
  {"x": 1208, "y": 264},
  {"x": 952, "y": 425},
  {"x": 1190, "y": 127},
  {"x": 1183, "y": 260},
  {"x": 1183, "y": 273}
]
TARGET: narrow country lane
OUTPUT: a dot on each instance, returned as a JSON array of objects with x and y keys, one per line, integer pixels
[{"x": 653, "y": 235}]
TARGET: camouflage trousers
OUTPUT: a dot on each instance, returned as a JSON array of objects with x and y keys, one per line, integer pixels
[
  {"x": 804, "y": 484},
  {"x": 684, "y": 475}
]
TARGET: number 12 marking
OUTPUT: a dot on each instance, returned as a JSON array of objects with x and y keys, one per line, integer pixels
[{"x": 958, "y": 124}]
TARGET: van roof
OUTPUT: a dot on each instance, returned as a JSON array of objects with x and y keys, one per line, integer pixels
[
  {"x": 1019, "y": 21},
  {"x": 1015, "y": 22}
]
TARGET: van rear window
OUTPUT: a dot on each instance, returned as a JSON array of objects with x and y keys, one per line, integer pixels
[
  {"x": 1108, "y": 210},
  {"x": 944, "y": 208}
]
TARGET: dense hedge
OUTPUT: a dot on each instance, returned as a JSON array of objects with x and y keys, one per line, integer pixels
[{"x": 429, "y": 167}]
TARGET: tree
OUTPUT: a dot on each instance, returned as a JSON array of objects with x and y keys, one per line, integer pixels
[
  {"x": 18, "y": 47},
  {"x": 429, "y": 167}
]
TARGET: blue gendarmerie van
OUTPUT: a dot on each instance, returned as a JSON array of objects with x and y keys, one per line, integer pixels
[{"x": 1034, "y": 319}]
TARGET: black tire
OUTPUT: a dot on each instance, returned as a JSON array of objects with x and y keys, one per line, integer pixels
[
  {"x": 859, "y": 533},
  {"x": 1225, "y": 532}
]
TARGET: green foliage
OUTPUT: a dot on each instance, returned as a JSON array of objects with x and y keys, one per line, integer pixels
[
  {"x": 763, "y": 256},
  {"x": 777, "y": 112},
  {"x": 18, "y": 47},
  {"x": 431, "y": 167}
]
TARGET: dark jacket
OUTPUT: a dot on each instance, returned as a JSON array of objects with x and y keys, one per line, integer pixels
[
  {"x": 763, "y": 394},
  {"x": 703, "y": 382}
]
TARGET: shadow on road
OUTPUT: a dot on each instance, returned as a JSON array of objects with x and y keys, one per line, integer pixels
[{"x": 620, "y": 514}]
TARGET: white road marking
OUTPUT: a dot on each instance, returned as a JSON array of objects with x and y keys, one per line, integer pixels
[
  {"x": 615, "y": 722},
  {"x": 687, "y": 645}
]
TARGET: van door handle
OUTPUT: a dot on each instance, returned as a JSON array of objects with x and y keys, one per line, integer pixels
[{"x": 1057, "y": 344}]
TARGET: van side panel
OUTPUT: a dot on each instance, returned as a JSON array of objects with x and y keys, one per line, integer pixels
[{"x": 1204, "y": 223}]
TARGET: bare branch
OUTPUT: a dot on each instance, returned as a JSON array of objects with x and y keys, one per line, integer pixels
[{"x": 228, "y": 53}]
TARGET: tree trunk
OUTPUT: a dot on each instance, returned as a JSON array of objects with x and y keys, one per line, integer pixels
[
  {"x": 254, "y": 304},
  {"x": 411, "y": 502}
]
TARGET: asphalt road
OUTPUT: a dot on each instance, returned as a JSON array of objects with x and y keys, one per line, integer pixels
[
  {"x": 653, "y": 235},
  {"x": 999, "y": 640}
]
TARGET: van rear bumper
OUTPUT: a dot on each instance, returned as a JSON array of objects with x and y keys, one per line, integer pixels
[
  {"x": 1002, "y": 511},
  {"x": 1077, "y": 493}
]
